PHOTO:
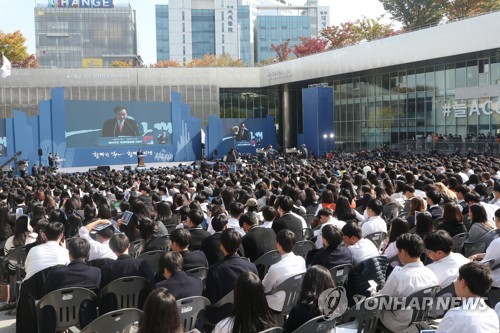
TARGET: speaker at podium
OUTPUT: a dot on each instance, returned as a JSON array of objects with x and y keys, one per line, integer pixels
[{"x": 140, "y": 160}]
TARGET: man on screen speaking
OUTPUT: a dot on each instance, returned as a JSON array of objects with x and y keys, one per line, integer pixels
[{"x": 120, "y": 125}]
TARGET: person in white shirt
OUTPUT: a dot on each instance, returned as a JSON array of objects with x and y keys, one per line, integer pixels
[
  {"x": 496, "y": 195},
  {"x": 492, "y": 252},
  {"x": 49, "y": 254},
  {"x": 236, "y": 210},
  {"x": 414, "y": 276},
  {"x": 445, "y": 263},
  {"x": 473, "y": 316},
  {"x": 98, "y": 249},
  {"x": 289, "y": 265},
  {"x": 374, "y": 223},
  {"x": 361, "y": 248},
  {"x": 325, "y": 216},
  {"x": 269, "y": 214}
]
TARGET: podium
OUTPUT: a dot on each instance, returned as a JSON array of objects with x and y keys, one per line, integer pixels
[{"x": 140, "y": 160}]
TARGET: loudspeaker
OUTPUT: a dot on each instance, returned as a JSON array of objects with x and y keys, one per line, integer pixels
[
  {"x": 202, "y": 146},
  {"x": 40, "y": 152},
  {"x": 216, "y": 152},
  {"x": 104, "y": 168},
  {"x": 127, "y": 167}
]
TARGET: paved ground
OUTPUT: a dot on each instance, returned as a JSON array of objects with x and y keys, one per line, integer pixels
[{"x": 7, "y": 323}]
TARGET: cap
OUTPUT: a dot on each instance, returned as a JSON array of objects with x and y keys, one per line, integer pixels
[{"x": 251, "y": 202}]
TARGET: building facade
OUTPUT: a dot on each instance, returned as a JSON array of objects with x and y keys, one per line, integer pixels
[
  {"x": 94, "y": 34},
  {"x": 187, "y": 30},
  {"x": 394, "y": 91}
]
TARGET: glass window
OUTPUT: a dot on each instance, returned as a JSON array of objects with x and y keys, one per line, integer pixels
[
  {"x": 460, "y": 76},
  {"x": 472, "y": 74}
]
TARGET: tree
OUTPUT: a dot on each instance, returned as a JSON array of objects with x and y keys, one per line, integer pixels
[
  {"x": 415, "y": 13},
  {"x": 463, "y": 8},
  {"x": 371, "y": 29},
  {"x": 166, "y": 63},
  {"x": 309, "y": 46},
  {"x": 340, "y": 35},
  {"x": 12, "y": 45},
  {"x": 282, "y": 50},
  {"x": 29, "y": 62},
  {"x": 210, "y": 60},
  {"x": 122, "y": 64}
]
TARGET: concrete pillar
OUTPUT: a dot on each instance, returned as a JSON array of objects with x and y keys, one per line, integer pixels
[{"x": 286, "y": 117}]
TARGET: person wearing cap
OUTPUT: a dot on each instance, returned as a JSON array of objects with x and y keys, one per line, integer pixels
[
  {"x": 257, "y": 240},
  {"x": 253, "y": 207},
  {"x": 98, "y": 249}
]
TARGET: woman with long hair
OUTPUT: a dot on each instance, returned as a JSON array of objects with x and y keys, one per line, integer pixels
[
  {"x": 382, "y": 195},
  {"x": 5, "y": 227},
  {"x": 23, "y": 234},
  {"x": 251, "y": 314},
  {"x": 452, "y": 220},
  {"x": 423, "y": 224},
  {"x": 417, "y": 205},
  {"x": 344, "y": 211},
  {"x": 165, "y": 215},
  {"x": 479, "y": 223},
  {"x": 311, "y": 199},
  {"x": 316, "y": 280},
  {"x": 328, "y": 199},
  {"x": 447, "y": 194},
  {"x": 398, "y": 227},
  {"x": 160, "y": 313}
]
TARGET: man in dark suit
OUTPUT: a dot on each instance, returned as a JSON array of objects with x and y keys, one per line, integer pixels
[
  {"x": 433, "y": 201},
  {"x": 222, "y": 275},
  {"x": 211, "y": 245},
  {"x": 120, "y": 125},
  {"x": 124, "y": 265},
  {"x": 243, "y": 133},
  {"x": 332, "y": 254},
  {"x": 257, "y": 240},
  {"x": 76, "y": 274},
  {"x": 180, "y": 239},
  {"x": 180, "y": 284},
  {"x": 287, "y": 220},
  {"x": 194, "y": 220}
]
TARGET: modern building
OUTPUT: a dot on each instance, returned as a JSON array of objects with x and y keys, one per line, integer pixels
[
  {"x": 92, "y": 34},
  {"x": 189, "y": 29},
  {"x": 444, "y": 79}
]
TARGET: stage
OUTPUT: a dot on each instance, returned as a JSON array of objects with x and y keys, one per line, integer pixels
[{"x": 120, "y": 167}]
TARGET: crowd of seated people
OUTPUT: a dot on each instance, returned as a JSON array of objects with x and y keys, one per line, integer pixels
[{"x": 72, "y": 224}]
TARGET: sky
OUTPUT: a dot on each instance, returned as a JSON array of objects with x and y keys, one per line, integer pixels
[{"x": 19, "y": 15}]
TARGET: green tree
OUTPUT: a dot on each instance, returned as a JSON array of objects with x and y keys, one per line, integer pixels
[
  {"x": 282, "y": 50},
  {"x": 12, "y": 45},
  {"x": 415, "y": 13},
  {"x": 309, "y": 46},
  {"x": 463, "y": 8},
  {"x": 371, "y": 29}
]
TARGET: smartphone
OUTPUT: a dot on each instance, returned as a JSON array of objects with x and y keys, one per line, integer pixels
[
  {"x": 19, "y": 212},
  {"x": 127, "y": 215}
]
